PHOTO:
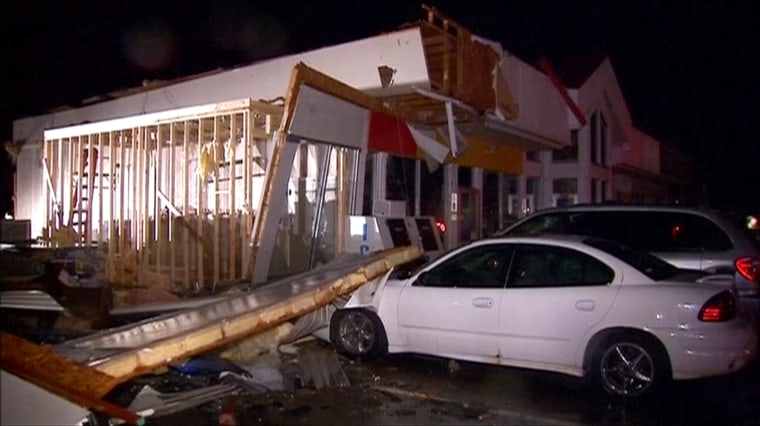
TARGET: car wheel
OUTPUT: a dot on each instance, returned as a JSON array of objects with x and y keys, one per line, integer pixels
[
  {"x": 630, "y": 365},
  {"x": 358, "y": 333}
]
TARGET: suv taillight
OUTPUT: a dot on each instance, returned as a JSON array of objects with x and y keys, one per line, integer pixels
[
  {"x": 748, "y": 267},
  {"x": 721, "y": 307}
]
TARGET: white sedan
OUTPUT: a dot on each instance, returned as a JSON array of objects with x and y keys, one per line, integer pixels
[{"x": 566, "y": 304}]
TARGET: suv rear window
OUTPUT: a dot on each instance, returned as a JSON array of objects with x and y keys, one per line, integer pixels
[{"x": 652, "y": 231}]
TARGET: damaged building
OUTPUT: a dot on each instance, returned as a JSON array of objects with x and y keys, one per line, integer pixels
[{"x": 428, "y": 136}]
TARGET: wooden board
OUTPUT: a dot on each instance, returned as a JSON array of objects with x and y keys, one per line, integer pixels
[{"x": 57, "y": 374}]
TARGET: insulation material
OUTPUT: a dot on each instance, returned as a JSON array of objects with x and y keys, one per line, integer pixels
[
  {"x": 245, "y": 350},
  {"x": 212, "y": 153}
]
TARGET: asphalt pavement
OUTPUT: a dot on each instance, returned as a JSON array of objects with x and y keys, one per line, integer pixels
[{"x": 411, "y": 389}]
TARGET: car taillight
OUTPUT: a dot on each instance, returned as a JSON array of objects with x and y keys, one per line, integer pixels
[
  {"x": 721, "y": 307},
  {"x": 441, "y": 225},
  {"x": 748, "y": 267}
]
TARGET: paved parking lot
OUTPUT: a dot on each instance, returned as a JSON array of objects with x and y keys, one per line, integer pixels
[{"x": 409, "y": 389}]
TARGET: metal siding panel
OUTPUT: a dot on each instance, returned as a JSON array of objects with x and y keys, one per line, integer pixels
[
  {"x": 325, "y": 118},
  {"x": 29, "y": 181}
]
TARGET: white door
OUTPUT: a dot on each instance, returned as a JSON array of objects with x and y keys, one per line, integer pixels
[
  {"x": 452, "y": 308},
  {"x": 554, "y": 296}
]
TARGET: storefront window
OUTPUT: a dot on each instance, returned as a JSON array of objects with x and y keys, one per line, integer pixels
[
  {"x": 565, "y": 192},
  {"x": 490, "y": 203},
  {"x": 369, "y": 173},
  {"x": 431, "y": 192},
  {"x": 400, "y": 184}
]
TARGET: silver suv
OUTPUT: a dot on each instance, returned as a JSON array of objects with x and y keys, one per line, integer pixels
[{"x": 689, "y": 238}]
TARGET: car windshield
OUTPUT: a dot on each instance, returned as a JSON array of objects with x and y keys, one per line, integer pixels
[{"x": 649, "y": 265}]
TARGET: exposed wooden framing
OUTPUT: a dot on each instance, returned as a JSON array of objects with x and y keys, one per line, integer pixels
[
  {"x": 172, "y": 183},
  {"x": 122, "y": 210},
  {"x": 135, "y": 146},
  {"x": 248, "y": 213},
  {"x": 186, "y": 202},
  {"x": 137, "y": 216},
  {"x": 77, "y": 204},
  {"x": 460, "y": 64},
  {"x": 69, "y": 184},
  {"x": 100, "y": 189},
  {"x": 134, "y": 175},
  {"x": 112, "y": 153},
  {"x": 216, "y": 235},
  {"x": 56, "y": 174},
  {"x": 157, "y": 186},
  {"x": 200, "y": 184},
  {"x": 446, "y": 62},
  {"x": 47, "y": 189},
  {"x": 58, "y": 179},
  {"x": 145, "y": 172},
  {"x": 90, "y": 193},
  {"x": 140, "y": 176},
  {"x": 232, "y": 206},
  {"x": 136, "y": 210}
]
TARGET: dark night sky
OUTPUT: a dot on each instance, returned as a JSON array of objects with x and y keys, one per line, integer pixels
[{"x": 687, "y": 68}]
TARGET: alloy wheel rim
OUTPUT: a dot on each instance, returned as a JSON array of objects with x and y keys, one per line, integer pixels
[
  {"x": 627, "y": 369},
  {"x": 357, "y": 333}
]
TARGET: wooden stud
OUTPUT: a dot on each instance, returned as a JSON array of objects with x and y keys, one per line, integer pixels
[
  {"x": 100, "y": 190},
  {"x": 77, "y": 201},
  {"x": 46, "y": 195},
  {"x": 146, "y": 171},
  {"x": 232, "y": 205},
  {"x": 217, "y": 170},
  {"x": 245, "y": 226},
  {"x": 172, "y": 183},
  {"x": 137, "y": 169},
  {"x": 459, "y": 58},
  {"x": 91, "y": 163},
  {"x": 157, "y": 186},
  {"x": 68, "y": 184},
  {"x": 112, "y": 240},
  {"x": 186, "y": 202},
  {"x": 122, "y": 210},
  {"x": 59, "y": 178},
  {"x": 201, "y": 181},
  {"x": 134, "y": 206}
]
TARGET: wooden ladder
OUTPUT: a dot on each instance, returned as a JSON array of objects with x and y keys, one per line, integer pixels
[{"x": 79, "y": 214}]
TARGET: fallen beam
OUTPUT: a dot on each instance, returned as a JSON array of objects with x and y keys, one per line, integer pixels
[
  {"x": 55, "y": 373},
  {"x": 136, "y": 349}
]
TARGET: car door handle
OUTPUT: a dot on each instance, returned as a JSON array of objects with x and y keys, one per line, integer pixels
[
  {"x": 482, "y": 302},
  {"x": 585, "y": 305}
]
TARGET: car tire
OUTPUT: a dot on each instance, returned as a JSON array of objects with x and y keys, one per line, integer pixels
[
  {"x": 358, "y": 333},
  {"x": 631, "y": 365}
]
